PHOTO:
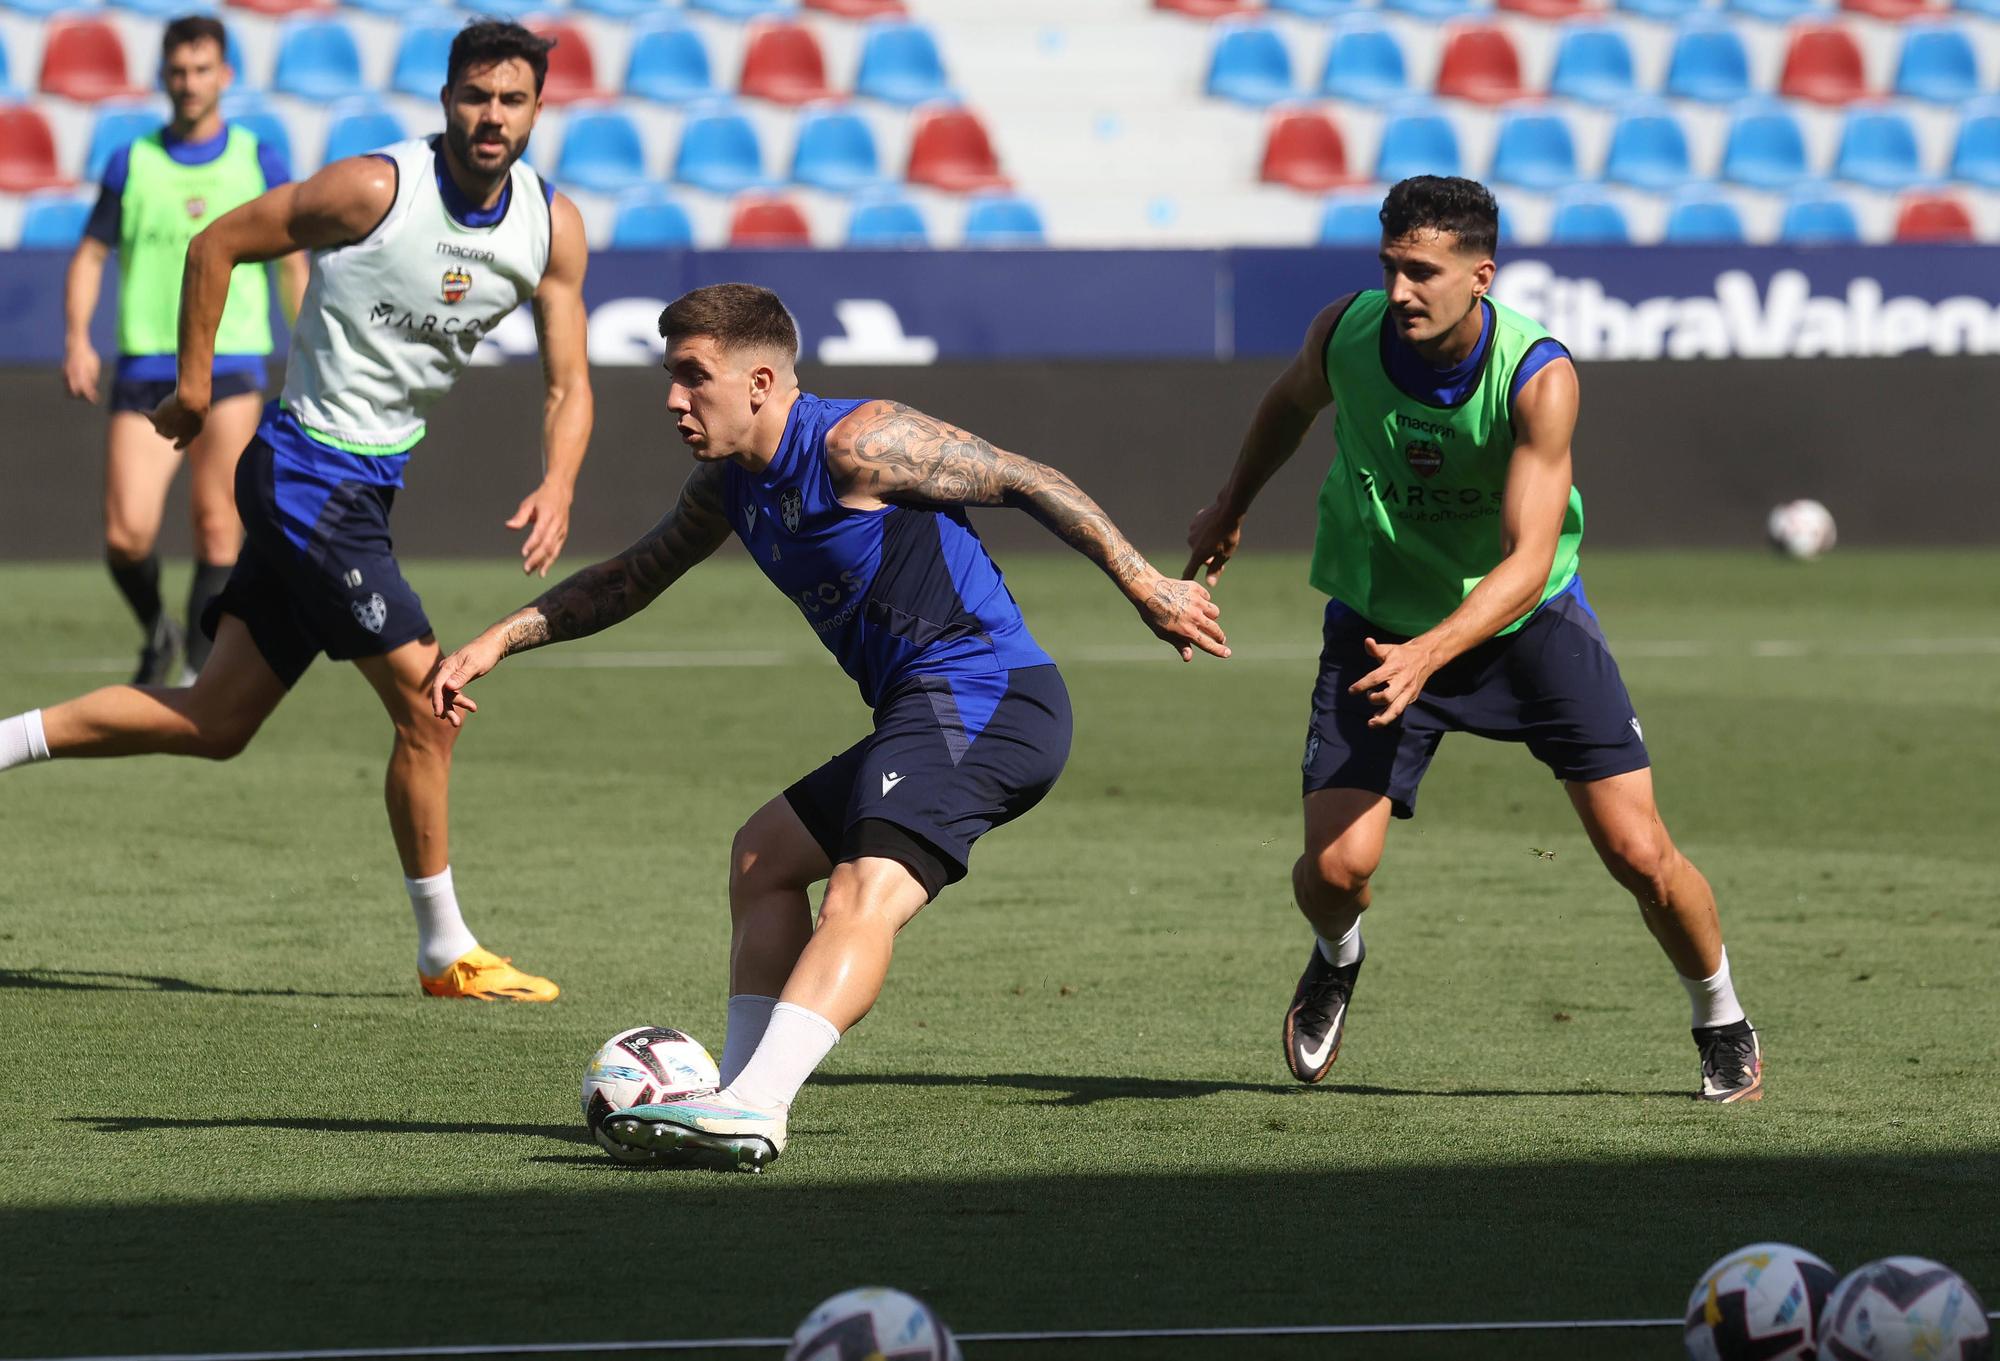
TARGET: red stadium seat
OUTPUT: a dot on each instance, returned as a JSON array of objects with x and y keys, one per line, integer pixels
[
  {"x": 1208, "y": 9},
  {"x": 279, "y": 8},
  {"x": 860, "y": 9},
  {"x": 1896, "y": 10},
  {"x": 84, "y": 59},
  {"x": 27, "y": 152},
  {"x": 1823, "y": 64},
  {"x": 760, "y": 221},
  {"x": 782, "y": 63},
  {"x": 1480, "y": 64},
  {"x": 572, "y": 71},
  {"x": 1550, "y": 9},
  {"x": 1304, "y": 150},
  {"x": 950, "y": 150},
  {"x": 1935, "y": 217}
]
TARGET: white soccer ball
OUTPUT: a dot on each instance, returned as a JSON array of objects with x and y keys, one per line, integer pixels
[
  {"x": 635, "y": 1067},
  {"x": 1759, "y": 1303},
  {"x": 873, "y": 1324},
  {"x": 1904, "y": 1309},
  {"x": 1801, "y": 529}
]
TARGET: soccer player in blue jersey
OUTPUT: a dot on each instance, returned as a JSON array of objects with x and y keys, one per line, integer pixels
[{"x": 853, "y": 509}]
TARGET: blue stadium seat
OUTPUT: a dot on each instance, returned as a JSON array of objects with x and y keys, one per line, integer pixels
[
  {"x": 389, "y": 9},
  {"x": 8, "y": 92},
  {"x": 1709, "y": 63},
  {"x": 625, "y": 11},
  {"x": 744, "y": 9},
  {"x": 1766, "y": 149},
  {"x": 1438, "y": 10},
  {"x": 1365, "y": 64},
  {"x": 1417, "y": 143},
  {"x": 649, "y": 219},
  {"x": 116, "y": 126},
  {"x": 1315, "y": 9},
  {"x": 252, "y": 112},
  {"x": 669, "y": 63},
  {"x": 162, "y": 9},
  {"x": 359, "y": 127},
  {"x": 1780, "y": 11},
  {"x": 1593, "y": 64},
  {"x": 602, "y": 152},
  {"x": 54, "y": 221},
  {"x": 1938, "y": 64},
  {"x": 1878, "y": 148},
  {"x": 423, "y": 54},
  {"x": 1250, "y": 65},
  {"x": 1352, "y": 220},
  {"x": 1667, "y": 11},
  {"x": 836, "y": 151},
  {"x": 1819, "y": 217},
  {"x": 1003, "y": 220},
  {"x": 1989, "y": 8},
  {"x": 1975, "y": 155},
  {"x": 1703, "y": 217},
  {"x": 1586, "y": 218},
  {"x": 900, "y": 64},
  {"x": 44, "y": 9},
  {"x": 719, "y": 151},
  {"x": 516, "y": 10},
  {"x": 1535, "y": 151},
  {"x": 318, "y": 59},
  {"x": 886, "y": 222},
  {"x": 1649, "y": 149}
]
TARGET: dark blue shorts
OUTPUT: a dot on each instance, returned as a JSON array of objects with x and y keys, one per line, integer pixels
[
  {"x": 1551, "y": 684},
  {"x": 317, "y": 572},
  {"x": 951, "y": 758},
  {"x": 143, "y": 395}
]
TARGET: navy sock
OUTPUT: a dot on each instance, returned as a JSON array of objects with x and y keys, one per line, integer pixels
[
  {"x": 209, "y": 578},
  {"x": 139, "y": 583}
]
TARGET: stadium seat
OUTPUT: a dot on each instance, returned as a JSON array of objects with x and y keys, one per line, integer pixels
[
  {"x": 54, "y": 221},
  {"x": 572, "y": 69},
  {"x": 744, "y": 9},
  {"x": 1704, "y": 218},
  {"x": 1589, "y": 219},
  {"x": 1975, "y": 153},
  {"x": 1316, "y": 9},
  {"x": 1548, "y": 9},
  {"x": 1779, "y": 11},
  {"x": 278, "y": 9},
  {"x": 1003, "y": 220},
  {"x": 1934, "y": 217},
  {"x": 1365, "y": 64},
  {"x": 1534, "y": 150},
  {"x": 782, "y": 62},
  {"x": 1593, "y": 64},
  {"x": 1437, "y": 11},
  {"x": 1416, "y": 143},
  {"x": 318, "y": 59},
  {"x": 648, "y": 219},
  {"x": 1666, "y": 11},
  {"x": 1937, "y": 63},
  {"x": 84, "y": 59},
  {"x": 950, "y": 150},
  {"x": 1649, "y": 149},
  {"x": 860, "y": 9},
  {"x": 1765, "y": 149},
  {"x": 835, "y": 150},
  {"x": 900, "y": 64},
  {"x": 1304, "y": 149},
  {"x": 43, "y": 9},
  {"x": 1250, "y": 64},
  {"x": 719, "y": 151},
  {"x": 1818, "y": 217},
  {"x": 1480, "y": 64},
  {"x": 8, "y": 94},
  {"x": 1207, "y": 9},
  {"x": 253, "y": 113},
  {"x": 886, "y": 222},
  {"x": 1709, "y": 63},
  {"x": 1823, "y": 64},
  {"x": 422, "y": 57},
  {"x": 669, "y": 63},
  {"x": 359, "y": 128},
  {"x": 518, "y": 11},
  {"x": 392, "y": 9},
  {"x": 1895, "y": 11},
  {"x": 27, "y": 152},
  {"x": 1989, "y": 8},
  {"x": 1878, "y": 148},
  {"x": 1352, "y": 221},
  {"x": 116, "y": 126},
  {"x": 602, "y": 152},
  {"x": 761, "y": 221}
]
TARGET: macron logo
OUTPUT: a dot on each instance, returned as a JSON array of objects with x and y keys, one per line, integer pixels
[{"x": 889, "y": 782}]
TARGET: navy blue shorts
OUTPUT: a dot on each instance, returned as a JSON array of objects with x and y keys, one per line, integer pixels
[
  {"x": 144, "y": 394},
  {"x": 1551, "y": 684},
  {"x": 317, "y": 572},
  {"x": 951, "y": 758}
]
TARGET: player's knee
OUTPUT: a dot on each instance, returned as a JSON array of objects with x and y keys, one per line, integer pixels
[
  {"x": 1643, "y": 861},
  {"x": 125, "y": 545},
  {"x": 425, "y": 737},
  {"x": 1337, "y": 868},
  {"x": 217, "y": 534},
  {"x": 755, "y": 861},
  {"x": 222, "y": 737}
]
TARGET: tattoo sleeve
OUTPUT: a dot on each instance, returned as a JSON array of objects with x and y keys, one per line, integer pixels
[{"x": 618, "y": 588}]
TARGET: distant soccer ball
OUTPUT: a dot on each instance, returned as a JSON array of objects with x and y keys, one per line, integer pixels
[
  {"x": 1801, "y": 529},
  {"x": 1904, "y": 1309},
  {"x": 1760, "y": 1303},
  {"x": 645, "y": 1064},
  {"x": 873, "y": 1324}
]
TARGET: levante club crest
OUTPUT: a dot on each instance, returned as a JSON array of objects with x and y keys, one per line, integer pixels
[
  {"x": 1425, "y": 457},
  {"x": 457, "y": 283},
  {"x": 196, "y": 207}
]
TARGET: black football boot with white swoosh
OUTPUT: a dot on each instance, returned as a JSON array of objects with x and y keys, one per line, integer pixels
[{"x": 1318, "y": 1015}]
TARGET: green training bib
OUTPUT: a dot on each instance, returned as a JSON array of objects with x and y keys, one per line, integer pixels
[{"x": 165, "y": 203}]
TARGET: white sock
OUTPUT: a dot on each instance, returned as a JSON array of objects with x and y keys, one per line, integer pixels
[
  {"x": 21, "y": 740},
  {"x": 794, "y": 1043},
  {"x": 1714, "y": 998},
  {"x": 1345, "y": 950},
  {"x": 441, "y": 933},
  {"x": 749, "y": 1017}
]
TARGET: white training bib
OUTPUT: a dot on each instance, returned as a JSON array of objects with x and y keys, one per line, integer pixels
[{"x": 389, "y": 322}]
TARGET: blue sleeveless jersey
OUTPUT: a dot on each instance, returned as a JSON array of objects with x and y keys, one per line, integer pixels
[{"x": 893, "y": 593}]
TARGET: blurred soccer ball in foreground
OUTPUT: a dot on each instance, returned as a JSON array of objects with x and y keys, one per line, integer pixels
[
  {"x": 645, "y": 1064},
  {"x": 1759, "y": 1303},
  {"x": 885, "y": 1325},
  {"x": 1904, "y": 1309},
  {"x": 1800, "y": 529}
]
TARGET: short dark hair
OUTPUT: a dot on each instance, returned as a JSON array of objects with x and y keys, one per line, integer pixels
[
  {"x": 734, "y": 316},
  {"x": 194, "y": 28},
  {"x": 1444, "y": 204},
  {"x": 485, "y": 42}
]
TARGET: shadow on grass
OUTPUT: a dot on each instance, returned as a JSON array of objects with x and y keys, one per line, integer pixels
[
  {"x": 1082, "y": 1090},
  {"x": 89, "y": 980},
  {"x": 140, "y": 1124}
]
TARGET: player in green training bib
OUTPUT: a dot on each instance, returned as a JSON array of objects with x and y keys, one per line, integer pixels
[
  {"x": 156, "y": 194},
  {"x": 1448, "y": 537}
]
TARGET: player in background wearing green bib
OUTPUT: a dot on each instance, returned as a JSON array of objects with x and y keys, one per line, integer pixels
[
  {"x": 156, "y": 194},
  {"x": 1448, "y": 536}
]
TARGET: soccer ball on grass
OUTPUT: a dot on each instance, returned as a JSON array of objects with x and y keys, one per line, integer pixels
[
  {"x": 1759, "y": 1303},
  {"x": 873, "y": 1324},
  {"x": 635, "y": 1067},
  {"x": 1904, "y": 1309},
  {"x": 1800, "y": 529}
]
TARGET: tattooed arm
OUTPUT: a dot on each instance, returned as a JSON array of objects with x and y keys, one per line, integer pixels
[
  {"x": 596, "y": 597},
  {"x": 887, "y": 452}
]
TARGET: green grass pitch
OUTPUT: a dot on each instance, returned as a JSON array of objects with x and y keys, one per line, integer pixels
[{"x": 229, "y": 1121}]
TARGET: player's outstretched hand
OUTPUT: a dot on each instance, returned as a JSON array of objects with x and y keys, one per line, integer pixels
[
  {"x": 178, "y": 422},
  {"x": 450, "y": 675},
  {"x": 81, "y": 369},
  {"x": 1212, "y": 540},
  {"x": 1400, "y": 677},
  {"x": 1182, "y": 615},
  {"x": 544, "y": 513}
]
